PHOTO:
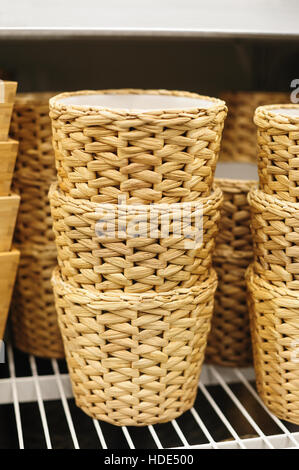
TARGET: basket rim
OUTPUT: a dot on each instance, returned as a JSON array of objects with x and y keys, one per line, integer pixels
[
  {"x": 231, "y": 184},
  {"x": 255, "y": 281},
  {"x": 257, "y": 196},
  {"x": 265, "y": 112},
  {"x": 112, "y": 296},
  {"x": 34, "y": 98},
  {"x": 55, "y": 104}
]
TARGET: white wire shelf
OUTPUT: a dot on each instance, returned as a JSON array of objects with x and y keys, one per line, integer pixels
[
  {"x": 170, "y": 18},
  {"x": 37, "y": 410}
]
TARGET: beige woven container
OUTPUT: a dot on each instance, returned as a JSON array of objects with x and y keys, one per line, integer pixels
[
  {"x": 274, "y": 313},
  {"x": 34, "y": 222},
  {"x": 278, "y": 153},
  {"x": 34, "y": 318},
  {"x": 134, "y": 359},
  {"x": 8, "y": 267},
  {"x": 9, "y": 206},
  {"x": 120, "y": 260},
  {"x": 8, "y": 155},
  {"x": 229, "y": 341},
  {"x": 146, "y": 145},
  {"x": 275, "y": 235},
  {"x": 31, "y": 126},
  {"x": 239, "y": 141}
]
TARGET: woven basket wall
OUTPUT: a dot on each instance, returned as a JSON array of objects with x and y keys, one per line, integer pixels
[
  {"x": 278, "y": 151},
  {"x": 229, "y": 342},
  {"x": 274, "y": 313},
  {"x": 134, "y": 359},
  {"x": 128, "y": 263},
  {"x": 239, "y": 141},
  {"x": 148, "y": 156},
  {"x": 34, "y": 317},
  {"x": 275, "y": 235}
]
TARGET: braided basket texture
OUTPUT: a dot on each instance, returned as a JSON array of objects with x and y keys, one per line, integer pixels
[
  {"x": 274, "y": 315},
  {"x": 149, "y": 261},
  {"x": 278, "y": 152},
  {"x": 239, "y": 136},
  {"x": 166, "y": 155},
  {"x": 31, "y": 126},
  {"x": 34, "y": 318},
  {"x": 134, "y": 359},
  {"x": 274, "y": 225},
  {"x": 229, "y": 341}
]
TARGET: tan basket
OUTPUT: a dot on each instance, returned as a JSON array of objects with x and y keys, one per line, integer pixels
[
  {"x": 31, "y": 126},
  {"x": 229, "y": 340},
  {"x": 134, "y": 359},
  {"x": 278, "y": 154},
  {"x": 239, "y": 135},
  {"x": 274, "y": 313},
  {"x": 8, "y": 267},
  {"x": 150, "y": 261},
  {"x": 5, "y": 116},
  {"x": 155, "y": 155},
  {"x": 275, "y": 238},
  {"x": 8, "y": 91},
  {"x": 9, "y": 206},
  {"x": 34, "y": 318},
  {"x": 34, "y": 222},
  {"x": 8, "y": 155}
]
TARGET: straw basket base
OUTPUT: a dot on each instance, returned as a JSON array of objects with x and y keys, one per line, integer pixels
[
  {"x": 274, "y": 319},
  {"x": 134, "y": 359}
]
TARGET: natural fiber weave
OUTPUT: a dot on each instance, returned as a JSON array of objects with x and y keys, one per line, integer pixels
[
  {"x": 229, "y": 342},
  {"x": 275, "y": 232},
  {"x": 34, "y": 222},
  {"x": 134, "y": 359},
  {"x": 239, "y": 141},
  {"x": 124, "y": 262},
  {"x": 34, "y": 318},
  {"x": 274, "y": 315},
  {"x": 149, "y": 156},
  {"x": 278, "y": 153},
  {"x": 31, "y": 126}
]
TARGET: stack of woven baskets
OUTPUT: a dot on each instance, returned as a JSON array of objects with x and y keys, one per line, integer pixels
[
  {"x": 273, "y": 278},
  {"x": 134, "y": 290},
  {"x": 34, "y": 317},
  {"x": 9, "y": 203},
  {"x": 229, "y": 342}
]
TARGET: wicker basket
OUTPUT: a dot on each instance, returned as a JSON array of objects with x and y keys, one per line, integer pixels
[
  {"x": 229, "y": 341},
  {"x": 163, "y": 150},
  {"x": 9, "y": 206},
  {"x": 274, "y": 225},
  {"x": 134, "y": 359},
  {"x": 278, "y": 155},
  {"x": 8, "y": 267},
  {"x": 239, "y": 134},
  {"x": 31, "y": 126},
  {"x": 119, "y": 260},
  {"x": 274, "y": 314},
  {"x": 34, "y": 318},
  {"x": 8, "y": 155},
  {"x": 34, "y": 222}
]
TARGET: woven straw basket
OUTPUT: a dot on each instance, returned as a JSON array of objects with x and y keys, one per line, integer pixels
[
  {"x": 278, "y": 138},
  {"x": 8, "y": 155},
  {"x": 133, "y": 264},
  {"x": 134, "y": 359},
  {"x": 164, "y": 149},
  {"x": 8, "y": 267},
  {"x": 274, "y": 313},
  {"x": 31, "y": 126},
  {"x": 34, "y": 318},
  {"x": 229, "y": 342},
  {"x": 275, "y": 235},
  {"x": 239, "y": 136}
]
